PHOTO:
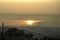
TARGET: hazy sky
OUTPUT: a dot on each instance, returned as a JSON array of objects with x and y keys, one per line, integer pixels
[
  {"x": 30, "y": 6},
  {"x": 12, "y": 8}
]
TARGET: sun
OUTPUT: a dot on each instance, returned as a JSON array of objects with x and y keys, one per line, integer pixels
[{"x": 30, "y": 22}]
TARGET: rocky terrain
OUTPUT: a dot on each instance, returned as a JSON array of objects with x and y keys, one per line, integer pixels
[{"x": 21, "y": 34}]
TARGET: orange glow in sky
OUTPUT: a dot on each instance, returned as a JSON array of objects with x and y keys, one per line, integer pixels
[
  {"x": 31, "y": 22},
  {"x": 27, "y": 0}
]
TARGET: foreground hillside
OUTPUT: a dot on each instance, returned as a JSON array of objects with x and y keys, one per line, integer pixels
[{"x": 20, "y": 34}]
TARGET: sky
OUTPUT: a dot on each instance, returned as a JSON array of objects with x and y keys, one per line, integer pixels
[
  {"x": 11, "y": 10},
  {"x": 30, "y": 6}
]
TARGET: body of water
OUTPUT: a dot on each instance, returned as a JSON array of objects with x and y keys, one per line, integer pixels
[
  {"x": 49, "y": 26},
  {"x": 16, "y": 19}
]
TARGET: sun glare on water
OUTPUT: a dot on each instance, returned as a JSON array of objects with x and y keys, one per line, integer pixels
[{"x": 31, "y": 22}]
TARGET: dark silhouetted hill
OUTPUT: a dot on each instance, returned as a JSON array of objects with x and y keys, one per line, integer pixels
[{"x": 21, "y": 34}]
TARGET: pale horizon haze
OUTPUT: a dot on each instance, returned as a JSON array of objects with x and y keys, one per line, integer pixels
[
  {"x": 12, "y": 12},
  {"x": 30, "y": 7}
]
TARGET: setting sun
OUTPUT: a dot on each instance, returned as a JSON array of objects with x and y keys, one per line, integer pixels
[{"x": 30, "y": 22}]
